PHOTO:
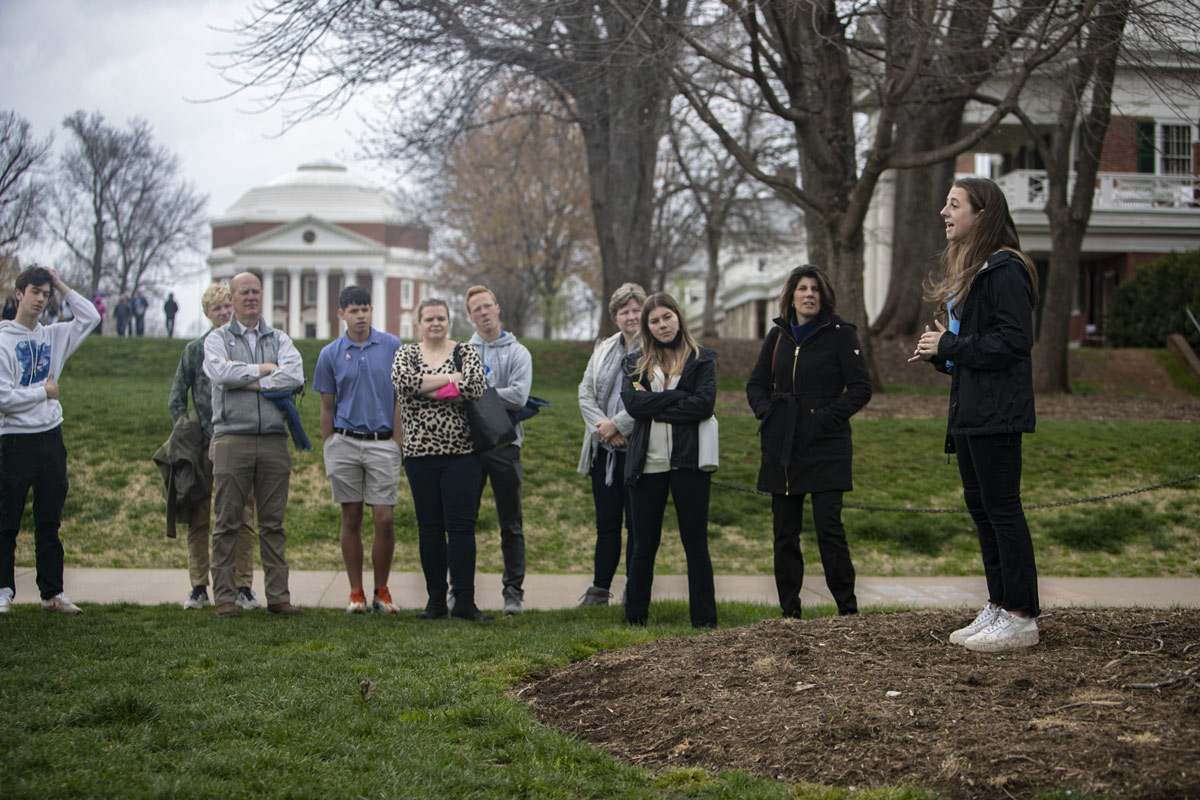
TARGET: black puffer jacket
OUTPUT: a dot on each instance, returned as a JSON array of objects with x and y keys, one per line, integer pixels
[
  {"x": 685, "y": 407},
  {"x": 991, "y": 382},
  {"x": 805, "y": 401}
]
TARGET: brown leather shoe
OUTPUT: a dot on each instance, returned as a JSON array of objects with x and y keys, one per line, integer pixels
[
  {"x": 284, "y": 609},
  {"x": 228, "y": 610}
]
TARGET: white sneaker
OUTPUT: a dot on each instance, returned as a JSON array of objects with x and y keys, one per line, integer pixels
[
  {"x": 246, "y": 599},
  {"x": 1007, "y": 632},
  {"x": 61, "y": 604},
  {"x": 197, "y": 598},
  {"x": 986, "y": 616},
  {"x": 6, "y": 598}
]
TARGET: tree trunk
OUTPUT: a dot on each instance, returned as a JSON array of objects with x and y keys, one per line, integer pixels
[
  {"x": 917, "y": 237},
  {"x": 621, "y": 130},
  {"x": 1050, "y": 355},
  {"x": 712, "y": 281}
]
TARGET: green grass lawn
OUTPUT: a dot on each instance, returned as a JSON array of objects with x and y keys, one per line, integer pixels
[
  {"x": 136, "y": 702},
  {"x": 115, "y": 394}
]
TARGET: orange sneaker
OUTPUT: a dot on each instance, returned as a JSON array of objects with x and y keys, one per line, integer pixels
[
  {"x": 358, "y": 601},
  {"x": 383, "y": 602}
]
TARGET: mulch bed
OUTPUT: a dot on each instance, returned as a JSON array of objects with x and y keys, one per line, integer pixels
[{"x": 1107, "y": 703}]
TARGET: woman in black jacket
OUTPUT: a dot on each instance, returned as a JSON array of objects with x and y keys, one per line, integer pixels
[
  {"x": 669, "y": 389},
  {"x": 809, "y": 380},
  {"x": 988, "y": 288}
]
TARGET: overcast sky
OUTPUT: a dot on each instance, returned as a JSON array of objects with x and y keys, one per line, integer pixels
[{"x": 151, "y": 59}]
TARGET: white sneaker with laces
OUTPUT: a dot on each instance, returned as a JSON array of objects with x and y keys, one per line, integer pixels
[
  {"x": 61, "y": 604},
  {"x": 246, "y": 599},
  {"x": 1007, "y": 632},
  {"x": 986, "y": 616},
  {"x": 6, "y": 598}
]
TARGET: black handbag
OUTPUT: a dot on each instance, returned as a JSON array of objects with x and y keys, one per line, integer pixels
[{"x": 489, "y": 421}]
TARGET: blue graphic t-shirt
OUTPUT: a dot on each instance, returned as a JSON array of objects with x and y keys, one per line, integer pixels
[{"x": 34, "y": 360}]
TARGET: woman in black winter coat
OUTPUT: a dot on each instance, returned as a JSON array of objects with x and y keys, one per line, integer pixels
[
  {"x": 988, "y": 289},
  {"x": 669, "y": 389},
  {"x": 809, "y": 380}
]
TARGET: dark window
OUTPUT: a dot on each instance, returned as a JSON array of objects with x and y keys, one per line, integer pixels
[{"x": 1145, "y": 148}]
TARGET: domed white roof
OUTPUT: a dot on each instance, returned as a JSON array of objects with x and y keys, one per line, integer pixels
[{"x": 322, "y": 189}]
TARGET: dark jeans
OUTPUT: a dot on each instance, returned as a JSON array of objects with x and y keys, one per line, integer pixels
[
  {"x": 612, "y": 503},
  {"x": 689, "y": 489},
  {"x": 445, "y": 498},
  {"x": 788, "y": 513},
  {"x": 991, "y": 476},
  {"x": 37, "y": 461},
  {"x": 140, "y": 322},
  {"x": 503, "y": 466}
]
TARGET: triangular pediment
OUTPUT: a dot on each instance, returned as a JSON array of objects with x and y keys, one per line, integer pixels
[{"x": 309, "y": 236}]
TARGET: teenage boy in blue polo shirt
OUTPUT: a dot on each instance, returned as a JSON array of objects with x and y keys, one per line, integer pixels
[{"x": 360, "y": 429}]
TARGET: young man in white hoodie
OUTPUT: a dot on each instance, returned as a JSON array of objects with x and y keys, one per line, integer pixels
[
  {"x": 32, "y": 454},
  {"x": 508, "y": 368}
]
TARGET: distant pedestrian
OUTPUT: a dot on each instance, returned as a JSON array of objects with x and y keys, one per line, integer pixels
[
  {"x": 360, "y": 429},
  {"x": 988, "y": 289},
  {"x": 10, "y": 308},
  {"x": 124, "y": 315},
  {"x": 101, "y": 309},
  {"x": 810, "y": 378},
  {"x": 139, "y": 312},
  {"x": 32, "y": 454},
  {"x": 669, "y": 389},
  {"x": 170, "y": 308}
]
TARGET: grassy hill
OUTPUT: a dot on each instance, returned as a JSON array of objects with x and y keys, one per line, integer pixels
[{"x": 114, "y": 394}]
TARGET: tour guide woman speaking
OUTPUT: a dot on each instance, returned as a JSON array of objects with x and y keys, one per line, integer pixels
[{"x": 810, "y": 378}]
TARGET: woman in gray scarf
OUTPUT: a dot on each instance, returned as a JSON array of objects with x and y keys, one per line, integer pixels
[{"x": 605, "y": 427}]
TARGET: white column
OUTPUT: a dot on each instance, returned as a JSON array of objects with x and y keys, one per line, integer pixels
[
  {"x": 323, "y": 304},
  {"x": 294, "y": 302},
  {"x": 379, "y": 300},
  {"x": 268, "y": 294}
]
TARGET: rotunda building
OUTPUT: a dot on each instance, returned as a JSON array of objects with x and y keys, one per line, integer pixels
[{"x": 311, "y": 232}]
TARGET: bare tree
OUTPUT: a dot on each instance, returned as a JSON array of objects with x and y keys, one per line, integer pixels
[
  {"x": 156, "y": 215},
  {"x": 436, "y": 57},
  {"x": 723, "y": 192},
  {"x": 23, "y": 188},
  {"x": 513, "y": 197},
  {"x": 813, "y": 61},
  {"x": 1136, "y": 36},
  {"x": 121, "y": 207}
]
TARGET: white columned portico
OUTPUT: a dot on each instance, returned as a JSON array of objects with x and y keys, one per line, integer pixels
[
  {"x": 323, "y": 304},
  {"x": 268, "y": 295},
  {"x": 294, "y": 303},
  {"x": 379, "y": 300}
]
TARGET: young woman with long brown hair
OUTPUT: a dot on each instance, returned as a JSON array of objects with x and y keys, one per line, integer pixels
[
  {"x": 669, "y": 389},
  {"x": 988, "y": 291}
]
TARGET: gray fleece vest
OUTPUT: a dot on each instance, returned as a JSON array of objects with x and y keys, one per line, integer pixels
[{"x": 245, "y": 411}]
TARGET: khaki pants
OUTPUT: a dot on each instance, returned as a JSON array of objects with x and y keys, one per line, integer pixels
[
  {"x": 199, "y": 521},
  {"x": 245, "y": 466}
]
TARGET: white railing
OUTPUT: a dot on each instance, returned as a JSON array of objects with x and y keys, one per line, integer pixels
[{"x": 1027, "y": 189}]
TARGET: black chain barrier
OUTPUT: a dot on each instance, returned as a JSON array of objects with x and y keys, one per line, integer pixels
[{"x": 1079, "y": 501}]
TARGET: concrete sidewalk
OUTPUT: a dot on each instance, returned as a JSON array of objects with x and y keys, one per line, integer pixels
[{"x": 328, "y": 589}]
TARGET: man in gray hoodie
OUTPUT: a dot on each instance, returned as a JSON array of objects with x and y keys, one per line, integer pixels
[
  {"x": 508, "y": 368},
  {"x": 32, "y": 454}
]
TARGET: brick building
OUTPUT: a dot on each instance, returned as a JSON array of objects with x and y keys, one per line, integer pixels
[{"x": 311, "y": 232}]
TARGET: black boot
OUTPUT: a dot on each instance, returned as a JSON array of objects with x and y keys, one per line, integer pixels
[
  {"x": 464, "y": 608},
  {"x": 435, "y": 608}
]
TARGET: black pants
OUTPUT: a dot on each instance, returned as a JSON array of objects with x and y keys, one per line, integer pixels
[
  {"x": 612, "y": 503},
  {"x": 445, "y": 498},
  {"x": 503, "y": 466},
  {"x": 788, "y": 514},
  {"x": 37, "y": 461},
  {"x": 689, "y": 489},
  {"x": 990, "y": 467}
]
